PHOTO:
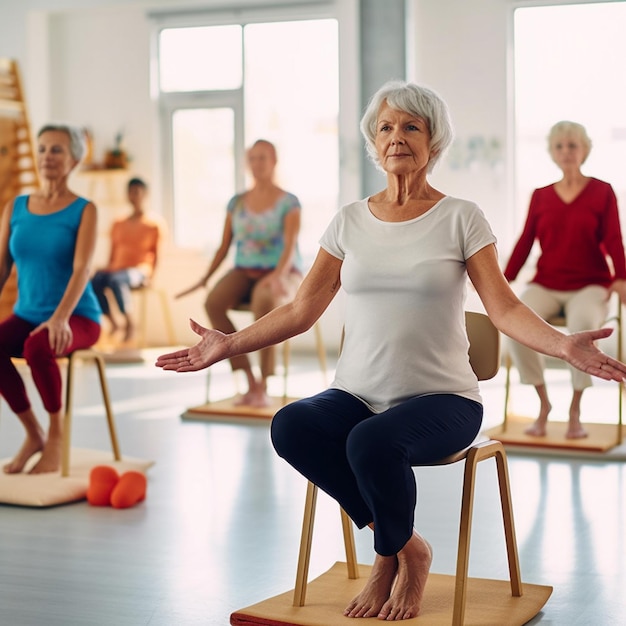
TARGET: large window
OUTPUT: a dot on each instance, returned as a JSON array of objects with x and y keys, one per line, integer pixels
[
  {"x": 220, "y": 87},
  {"x": 569, "y": 65}
]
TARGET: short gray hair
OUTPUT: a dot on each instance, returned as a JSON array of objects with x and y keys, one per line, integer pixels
[
  {"x": 418, "y": 101},
  {"x": 565, "y": 127},
  {"x": 75, "y": 134}
]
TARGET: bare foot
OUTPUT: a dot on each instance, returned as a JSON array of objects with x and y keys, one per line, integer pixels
[
  {"x": 576, "y": 431},
  {"x": 50, "y": 460},
  {"x": 256, "y": 399},
  {"x": 538, "y": 429},
  {"x": 377, "y": 589},
  {"x": 31, "y": 445},
  {"x": 413, "y": 566}
]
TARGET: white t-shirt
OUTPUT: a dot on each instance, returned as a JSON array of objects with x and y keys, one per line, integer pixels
[{"x": 406, "y": 288}]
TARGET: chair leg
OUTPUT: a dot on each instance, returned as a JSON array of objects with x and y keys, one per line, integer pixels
[
  {"x": 69, "y": 392},
  {"x": 504, "y": 485},
  {"x": 507, "y": 391},
  {"x": 321, "y": 351},
  {"x": 107, "y": 405},
  {"x": 620, "y": 386},
  {"x": 286, "y": 357},
  {"x": 143, "y": 317},
  {"x": 476, "y": 454},
  {"x": 67, "y": 418},
  {"x": 167, "y": 316},
  {"x": 304, "y": 557},
  {"x": 348, "y": 542}
]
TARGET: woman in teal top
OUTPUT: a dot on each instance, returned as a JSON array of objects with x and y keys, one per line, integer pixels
[
  {"x": 263, "y": 223},
  {"x": 50, "y": 236}
]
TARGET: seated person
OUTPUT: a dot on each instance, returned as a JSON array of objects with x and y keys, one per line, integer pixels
[
  {"x": 134, "y": 251},
  {"x": 49, "y": 236},
  {"x": 263, "y": 222}
]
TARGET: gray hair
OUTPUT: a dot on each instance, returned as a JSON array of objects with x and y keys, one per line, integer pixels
[
  {"x": 418, "y": 101},
  {"x": 565, "y": 127},
  {"x": 75, "y": 134}
]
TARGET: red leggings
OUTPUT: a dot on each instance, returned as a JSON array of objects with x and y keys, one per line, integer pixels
[{"x": 16, "y": 341}]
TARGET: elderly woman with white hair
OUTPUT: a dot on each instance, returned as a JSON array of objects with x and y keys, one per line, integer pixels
[
  {"x": 576, "y": 223},
  {"x": 50, "y": 237},
  {"x": 404, "y": 392}
]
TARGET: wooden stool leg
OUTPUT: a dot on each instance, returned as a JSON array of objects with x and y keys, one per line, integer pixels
[
  {"x": 348, "y": 541},
  {"x": 507, "y": 391},
  {"x": 69, "y": 393},
  {"x": 479, "y": 453},
  {"x": 143, "y": 317},
  {"x": 302, "y": 573},
  {"x": 67, "y": 418},
  {"x": 286, "y": 357},
  {"x": 167, "y": 316},
  {"x": 107, "y": 406},
  {"x": 507, "y": 519},
  {"x": 321, "y": 352}
]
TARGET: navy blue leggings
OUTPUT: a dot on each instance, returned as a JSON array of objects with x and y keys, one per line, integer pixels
[{"x": 364, "y": 460}]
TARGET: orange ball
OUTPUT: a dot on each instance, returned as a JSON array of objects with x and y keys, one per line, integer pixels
[{"x": 102, "y": 481}]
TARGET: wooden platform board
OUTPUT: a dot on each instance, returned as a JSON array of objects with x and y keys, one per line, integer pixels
[
  {"x": 227, "y": 408},
  {"x": 602, "y": 438},
  {"x": 489, "y": 602}
]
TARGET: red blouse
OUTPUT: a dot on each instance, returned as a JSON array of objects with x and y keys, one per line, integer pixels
[{"x": 575, "y": 239}]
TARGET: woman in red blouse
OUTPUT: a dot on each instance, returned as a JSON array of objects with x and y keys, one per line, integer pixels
[{"x": 576, "y": 223}]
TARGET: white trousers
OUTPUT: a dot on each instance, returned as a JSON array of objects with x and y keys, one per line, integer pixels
[{"x": 585, "y": 309}]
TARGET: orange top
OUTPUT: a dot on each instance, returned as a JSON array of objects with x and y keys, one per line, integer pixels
[{"x": 135, "y": 243}]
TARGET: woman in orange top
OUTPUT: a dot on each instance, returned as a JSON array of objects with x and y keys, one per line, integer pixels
[{"x": 134, "y": 250}]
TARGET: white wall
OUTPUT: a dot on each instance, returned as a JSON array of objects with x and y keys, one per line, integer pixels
[{"x": 88, "y": 61}]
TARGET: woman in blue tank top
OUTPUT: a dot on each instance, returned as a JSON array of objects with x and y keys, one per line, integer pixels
[{"x": 50, "y": 237}]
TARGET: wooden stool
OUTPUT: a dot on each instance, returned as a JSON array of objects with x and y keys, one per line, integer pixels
[
  {"x": 85, "y": 355},
  {"x": 286, "y": 354},
  {"x": 71, "y": 360},
  {"x": 559, "y": 321},
  {"x": 143, "y": 293}
]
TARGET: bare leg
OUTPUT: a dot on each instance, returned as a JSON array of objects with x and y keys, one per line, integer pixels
[
  {"x": 50, "y": 460},
  {"x": 129, "y": 333},
  {"x": 34, "y": 442},
  {"x": 575, "y": 429},
  {"x": 413, "y": 567},
  {"x": 538, "y": 429},
  {"x": 113, "y": 326}
]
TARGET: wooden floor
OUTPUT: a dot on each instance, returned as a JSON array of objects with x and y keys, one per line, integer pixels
[{"x": 220, "y": 527}]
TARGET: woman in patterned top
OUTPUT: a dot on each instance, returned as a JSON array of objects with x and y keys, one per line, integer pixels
[{"x": 263, "y": 222}]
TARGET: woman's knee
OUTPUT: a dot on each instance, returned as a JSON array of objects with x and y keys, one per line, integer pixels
[
  {"x": 37, "y": 347},
  {"x": 285, "y": 430}
]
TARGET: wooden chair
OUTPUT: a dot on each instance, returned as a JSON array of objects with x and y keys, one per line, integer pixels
[
  {"x": 72, "y": 360},
  {"x": 98, "y": 360},
  {"x": 484, "y": 356},
  {"x": 286, "y": 355},
  {"x": 144, "y": 292},
  {"x": 560, "y": 322}
]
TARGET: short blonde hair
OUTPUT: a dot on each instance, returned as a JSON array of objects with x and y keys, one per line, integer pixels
[{"x": 565, "y": 127}]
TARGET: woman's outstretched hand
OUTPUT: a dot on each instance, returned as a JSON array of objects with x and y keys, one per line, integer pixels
[
  {"x": 210, "y": 349},
  {"x": 582, "y": 352}
]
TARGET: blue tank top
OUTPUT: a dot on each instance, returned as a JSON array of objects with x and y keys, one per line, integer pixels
[{"x": 42, "y": 247}]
